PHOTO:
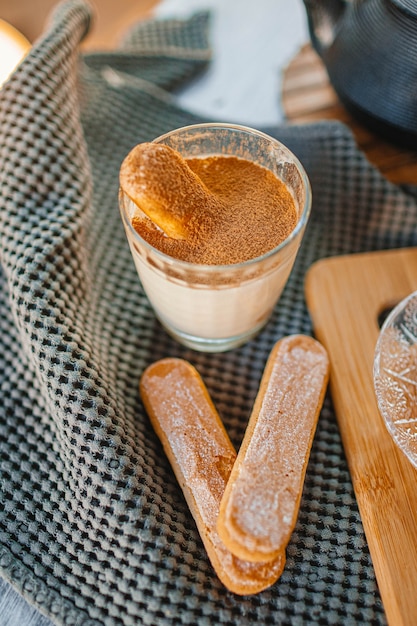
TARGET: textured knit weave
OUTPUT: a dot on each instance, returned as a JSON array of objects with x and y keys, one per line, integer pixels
[{"x": 93, "y": 526}]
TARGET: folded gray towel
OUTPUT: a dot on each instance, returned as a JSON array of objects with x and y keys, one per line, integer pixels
[{"x": 93, "y": 526}]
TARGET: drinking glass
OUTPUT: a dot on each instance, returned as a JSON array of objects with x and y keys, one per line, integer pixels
[{"x": 213, "y": 308}]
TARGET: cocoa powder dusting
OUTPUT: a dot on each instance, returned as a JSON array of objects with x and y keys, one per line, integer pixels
[{"x": 248, "y": 212}]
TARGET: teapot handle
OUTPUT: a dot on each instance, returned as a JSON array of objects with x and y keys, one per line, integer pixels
[{"x": 323, "y": 17}]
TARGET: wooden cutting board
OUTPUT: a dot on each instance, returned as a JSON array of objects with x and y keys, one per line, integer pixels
[{"x": 345, "y": 296}]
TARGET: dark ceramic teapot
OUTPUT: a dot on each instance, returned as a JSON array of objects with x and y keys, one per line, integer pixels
[{"x": 369, "y": 48}]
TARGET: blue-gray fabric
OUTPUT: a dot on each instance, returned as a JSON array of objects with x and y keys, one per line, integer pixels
[{"x": 93, "y": 526}]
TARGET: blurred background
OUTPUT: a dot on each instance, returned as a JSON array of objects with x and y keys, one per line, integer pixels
[
  {"x": 263, "y": 70},
  {"x": 29, "y": 16},
  {"x": 252, "y": 42}
]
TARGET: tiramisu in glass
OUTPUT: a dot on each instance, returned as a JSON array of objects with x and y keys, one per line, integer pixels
[{"x": 214, "y": 216}]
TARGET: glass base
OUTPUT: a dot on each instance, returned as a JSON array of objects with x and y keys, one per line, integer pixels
[{"x": 204, "y": 344}]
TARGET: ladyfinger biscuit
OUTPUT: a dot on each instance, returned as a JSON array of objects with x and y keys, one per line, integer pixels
[
  {"x": 163, "y": 187},
  {"x": 202, "y": 457},
  {"x": 260, "y": 505}
]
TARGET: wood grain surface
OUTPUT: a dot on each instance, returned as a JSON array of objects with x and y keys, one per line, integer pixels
[
  {"x": 308, "y": 96},
  {"x": 345, "y": 296}
]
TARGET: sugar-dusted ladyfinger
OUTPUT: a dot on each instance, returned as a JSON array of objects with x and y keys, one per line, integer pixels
[
  {"x": 202, "y": 457},
  {"x": 260, "y": 505}
]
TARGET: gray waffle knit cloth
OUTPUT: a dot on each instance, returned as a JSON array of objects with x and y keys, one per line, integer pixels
[{"x": 93, "y": 526}]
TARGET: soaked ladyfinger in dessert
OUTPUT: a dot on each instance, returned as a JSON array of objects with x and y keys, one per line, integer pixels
[
  {"x": 260, "y": 505},
  {"x": 159, "y": 182},
  {"x": 215, "y": 210},
  {"x": 202, "y": 456}
]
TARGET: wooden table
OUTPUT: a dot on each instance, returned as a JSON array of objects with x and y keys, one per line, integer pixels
[
  {"x": 110, "y": 19},
  {"x": 308, "y": 96}
]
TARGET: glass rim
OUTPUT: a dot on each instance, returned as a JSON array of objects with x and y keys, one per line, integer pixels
[{"x": 207, "y": 267}]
